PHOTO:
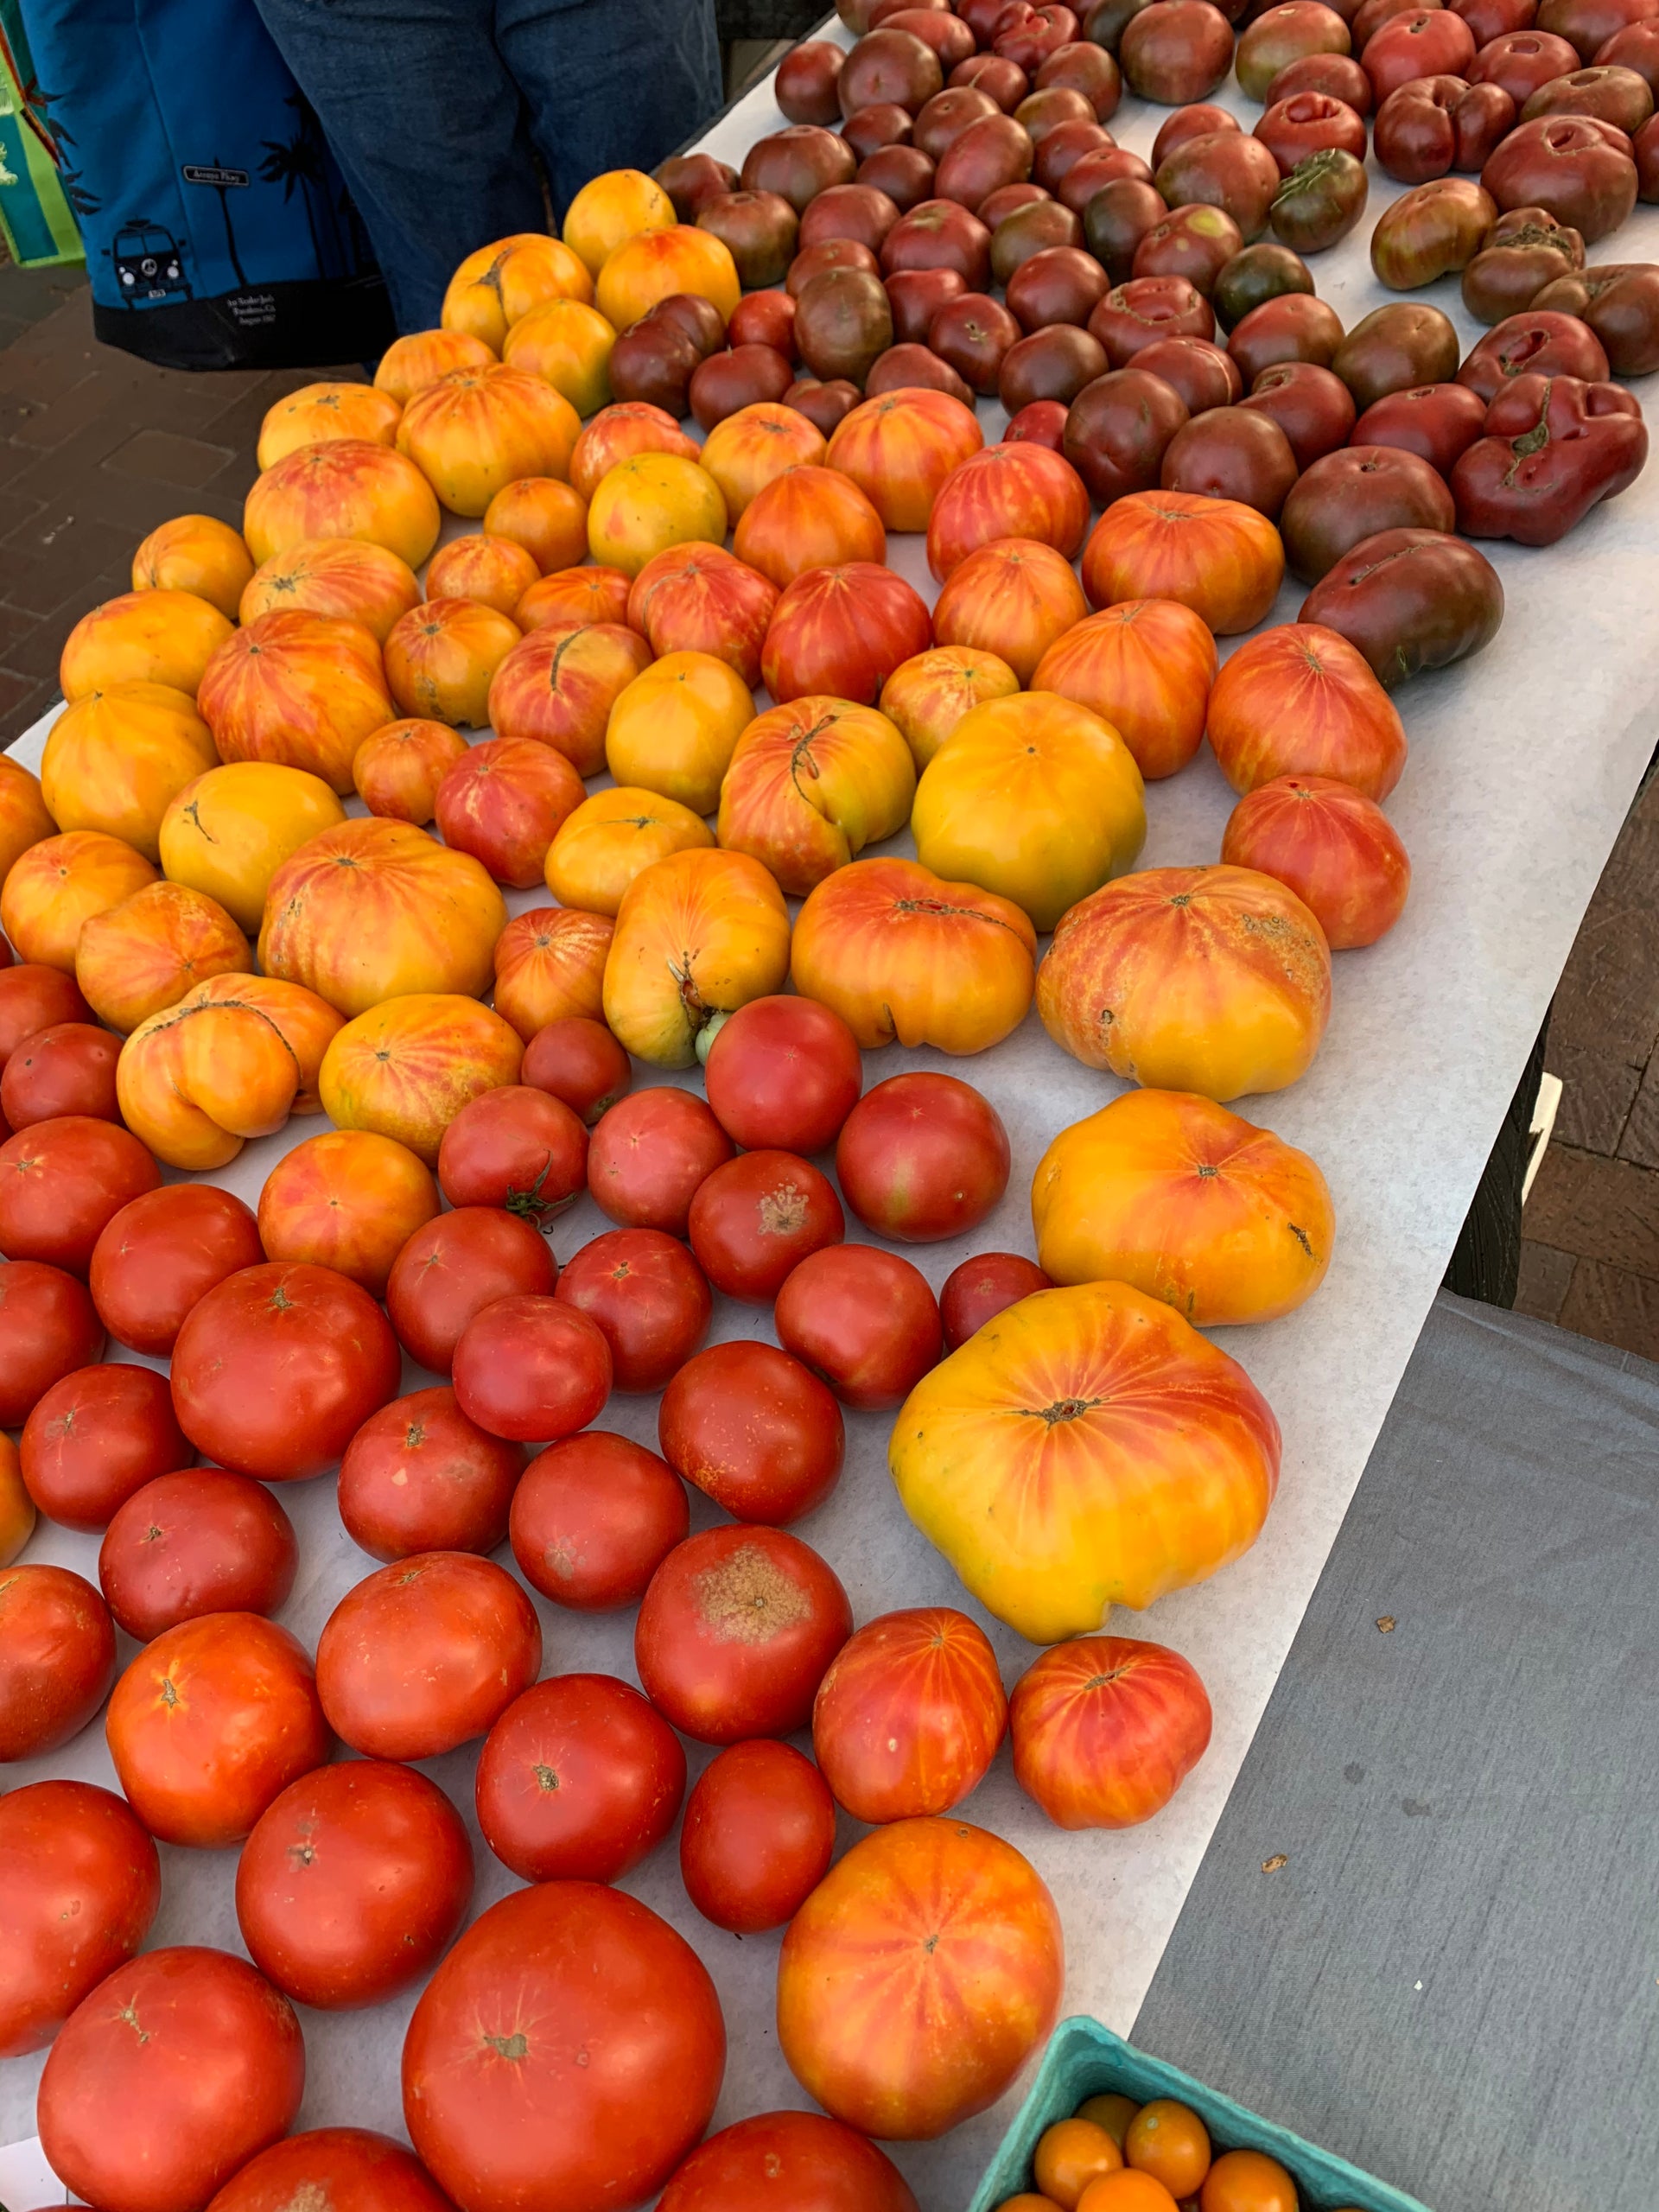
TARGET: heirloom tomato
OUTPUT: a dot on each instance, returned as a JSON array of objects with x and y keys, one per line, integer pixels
[{"x": 758, "y": 1834}]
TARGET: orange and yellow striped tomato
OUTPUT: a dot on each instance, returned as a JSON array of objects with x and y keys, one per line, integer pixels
[
  {"x": 497, "y": 571},
  {"x": 653, "y": 266},
  {"x": 347, "y": 577},
  {"x": 808, "y": 517},
  {"x": 350, "y": 487},
  {"x": 928, "y": 695},
  {"x": 24, "y": 819},
  {"x": 1146, "y": 667},
  {"x": 1087, "y": 1448},
  {"x": 550, "y": 966},
  {"x": 1163, "y": 1189},
  {"x": 701, "y": 598},
  {"x": 117, "y": 758},
  {"x": 617, "y": 433},
  {"x": 397, "y": 768},
  {"x": 1021, "y": 489},
  {"x": 901, "y": 447},
  {"x": 609, "y": 208},
  {"x": 199, "y": 554},
  {"x": 144, "y": 956},
  {"x": 568, "y": 344},
  {"x": 301, "y": 691},
  {"x": 613, "y": 837},
  {"x": 755, "y": 446},
  {"x": 228, "y": 833},
  {"x": 558, "y": 684},
  {"x": 1217, "y": 557},
  {"x": 59, "y": 884},
  {"x": 810, "y": 784},
  {"x": 404, "y": 1070},
  {"x": 675, "y": 727},
  {"x": 697, "y": 934},
  {"x": 441, "y": 658},
  {"x": 475, "y": 430},
  {"x": 411, "y": 363},
  {"x": 1216, "y": 979},
  {"x": 349, "y": 1199},
  {"x": 1014, "y": 598},
  {"x": 1106, "y": 1728},
  {"x": 546, "y": 519},
  {"x": 318, "y": 412},
  {"x": 1300, "y": 700},
  {"x": 498, "y": 283},
  {"x": 143, "y": 637}
]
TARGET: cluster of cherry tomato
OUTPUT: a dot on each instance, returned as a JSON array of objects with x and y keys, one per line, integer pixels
[{"x": 1113, "y": 2154}]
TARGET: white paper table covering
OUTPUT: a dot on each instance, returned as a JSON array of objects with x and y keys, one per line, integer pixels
[{"x": 1523, "y": 763}]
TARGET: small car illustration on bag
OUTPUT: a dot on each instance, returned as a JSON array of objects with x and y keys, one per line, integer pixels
[{"x": 149, "y": 265}]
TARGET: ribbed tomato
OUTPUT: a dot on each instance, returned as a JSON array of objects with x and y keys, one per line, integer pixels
[{"x": 1106, "y": 1728}]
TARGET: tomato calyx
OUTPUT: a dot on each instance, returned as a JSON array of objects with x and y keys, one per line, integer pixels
[
  {"x": 1062, "y": 1409},
  {"x": 546, "y": 1779}
]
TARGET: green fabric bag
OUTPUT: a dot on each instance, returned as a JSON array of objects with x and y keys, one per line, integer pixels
[{"x": 35, "y": 163}]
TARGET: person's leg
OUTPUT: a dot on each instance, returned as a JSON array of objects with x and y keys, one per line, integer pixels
[
  {"x": 609, "y": 86},
  {"x": 427, "y": 125}
]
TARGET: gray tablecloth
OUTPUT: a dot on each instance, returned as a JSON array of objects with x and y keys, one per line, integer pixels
[{"x": 1452, "y": 1977}]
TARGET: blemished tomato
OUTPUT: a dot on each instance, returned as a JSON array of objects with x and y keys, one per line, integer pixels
[
  {"x": 755, "y": 1431},
  {"x": 425, "y": 1654},
  {"x": 48, "y": 1327},
  {"x": 162, "y": 1254},
  {"x": 1106, "y": 1728},
  {"x": 62, "y": 1182},
  {"x": 784, "y": 1073},
  {"x": 1126, "y": 2191},
  {"x": 1069, "y": 2155},
  {"x": 758, "y": 1837},
  {"x": 353, "y": 1882},
  {"x": 515, "y": 1147},
  {"x": 67, "y": 1068},
  {"x": 57, "y": 1658},
  {"x": 145, "y": 2122},
  {"x": 594, "y": 1519},
  {"x": 345, "y": 2168},
  {"x": 276, "y": 1369},
  {"x": 79, "y": 1883},
  {"x": 923, "y": 1157},
  {"x": 735, "y": 1631},
  {"x": 203, "y": 1540},
  {"x": 982, "y": 1287},
  {"x": 209, "y": 1722},
  {"x": 802, "y": 2160},
  {"x": 864, "y": 1320},
  {"x": 531, "y": 1369},
  {"x": 648, "y": 1155},
  {"x": 578, "y": 1060},
  {"x": 754, "y": 1219},
  {"x": 909, "y": 1716},
  {"x": 568, "y": 2052},
  {"x": 647, "y": 1296},
  {"x": 918, "y": 1977},
  {"x": 1168, "y": 2141},
  {"x": 1247, "y": 2181},
  {"x": 449, "y": 1271},
  {"x": 578, "y": 1781},
  {"x": 95, "y": 1439},
  {"x": 419, "y": 1476}
]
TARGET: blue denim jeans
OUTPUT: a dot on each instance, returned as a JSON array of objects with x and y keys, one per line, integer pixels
[{"x": 436, "y": 110}]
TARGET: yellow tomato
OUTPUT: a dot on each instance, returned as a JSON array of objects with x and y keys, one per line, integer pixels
[
  {"x": 675, "y": 727},
  {"x": 229, "y": 832},
  {"x": 117, "y": 758},
  {"x": 652, "y": 265},
  {"x": 615, "y": 207},
  {"x": 598, "y": 850},
  {"x": 648, "y": 503},
  {"x": 1035, "y": 798},
  {"x": 569, "y": 345}
]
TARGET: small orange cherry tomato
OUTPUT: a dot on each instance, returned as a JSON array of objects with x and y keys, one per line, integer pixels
[
  {"x": 1071, "y": 2154},
  {"x": 1247, "y": 2181},
  {"x": 1113, "y": 2111},
  {"x": 1126, "y": 2192},
  {"x": 1170, "y": 2143}
]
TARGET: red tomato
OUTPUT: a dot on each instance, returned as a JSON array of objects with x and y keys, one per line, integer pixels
[
  {"x": 453, "y": 1268},
  {"x": 515, "y": 1147},
  {"x": 784, "y": 1072},
  {"x": 758, "y": 1834},
  {"x": 923, "y": 1157},
  {"x": 419, "y": 1476},
  {"x": 426, "y": 1654},
  {"x": 594, "y": 1519},
  {"x": 567, "y": 2053},
  {"x": 648, "y": 1155},
  {"x": 79, "y": 1883},
  {"x": 32, "y": 998},
  {"x": 982, "y": 1287},
  {"x": 48, "y": 1327},
  {"x": 95, "y": 1439},
  {"x": 735, "y": 1631},
  {"x": 67, "y": 1068},
  {"x": 352, "y": 1883},
  {"x": 1247, "y": 2181},
  {"x": 579, "y": 1061},
  {"x": 209, "y": 1722},
  {"x": 754, "y": 1431},
  {"x": 164, "y": 1252},
  {"x": 864, "y": 1320},
  {"x": 647, "y": 1296},
  {"x": 918, "y": 1977},
  {"x": 531, "y": 1369},
  {"x": 1106, "y": 1728},
  {"x": 578, "y": 1781},
  {"x": 202, "y": 1542},
  {"x": 157, "y": 2121},
  {"x": 758, "y": 1217},
  {"x": 909, "y": 1716},
  {"x": 60, "y": 1183},
  {"x": 799, "y": 2159},
  {"x": 343, "y": 2169},
  {"x": 277, "y": 1370},
  {"x": 57, "y": 1658}
]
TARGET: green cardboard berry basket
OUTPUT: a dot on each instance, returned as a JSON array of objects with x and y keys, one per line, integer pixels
[{"x": 1084, "y": 2059}]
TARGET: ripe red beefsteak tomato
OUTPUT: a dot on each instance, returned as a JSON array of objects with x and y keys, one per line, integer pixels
[
  {"x": 755, "y": 1431},
  {"x": 57, "y": 1657},
  {"x": 843, "y": 631},
  {"x": 79, "y": 1883},
  {"x": 648, "y": 1298},
  {"x": 579, "y": 1780},
  {"x": 783, "y": 1074},
  {"x": 61, "y": 1184},
  {"x": 531, "y": 1370},
  {"x": 48, "y": 1327},
  {"x": 864, "y": 1320},
  {"x": 923, "y": 1157},
  {"x": 982, "y": 1287},
  {"x": 419, "y": 1476},
  {"x": 515, "y": 1147},
  {"x": 757, "y": 1218},
  {"x": 650, "y": 1153},
  {"x": 578, "y": 1060},
  {"x": 758, "y": 1837},
  {"x": 454, "y": 1267},
  {"x": 345, "y": 2168},
  {"x": 593, "y": 1518},
  {"x": 202, "y": 1540},
  {"x": 162, "y": 1254},
  {"x": 803, "y": 2159},
  {"x": 96, "y": 1438}
]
